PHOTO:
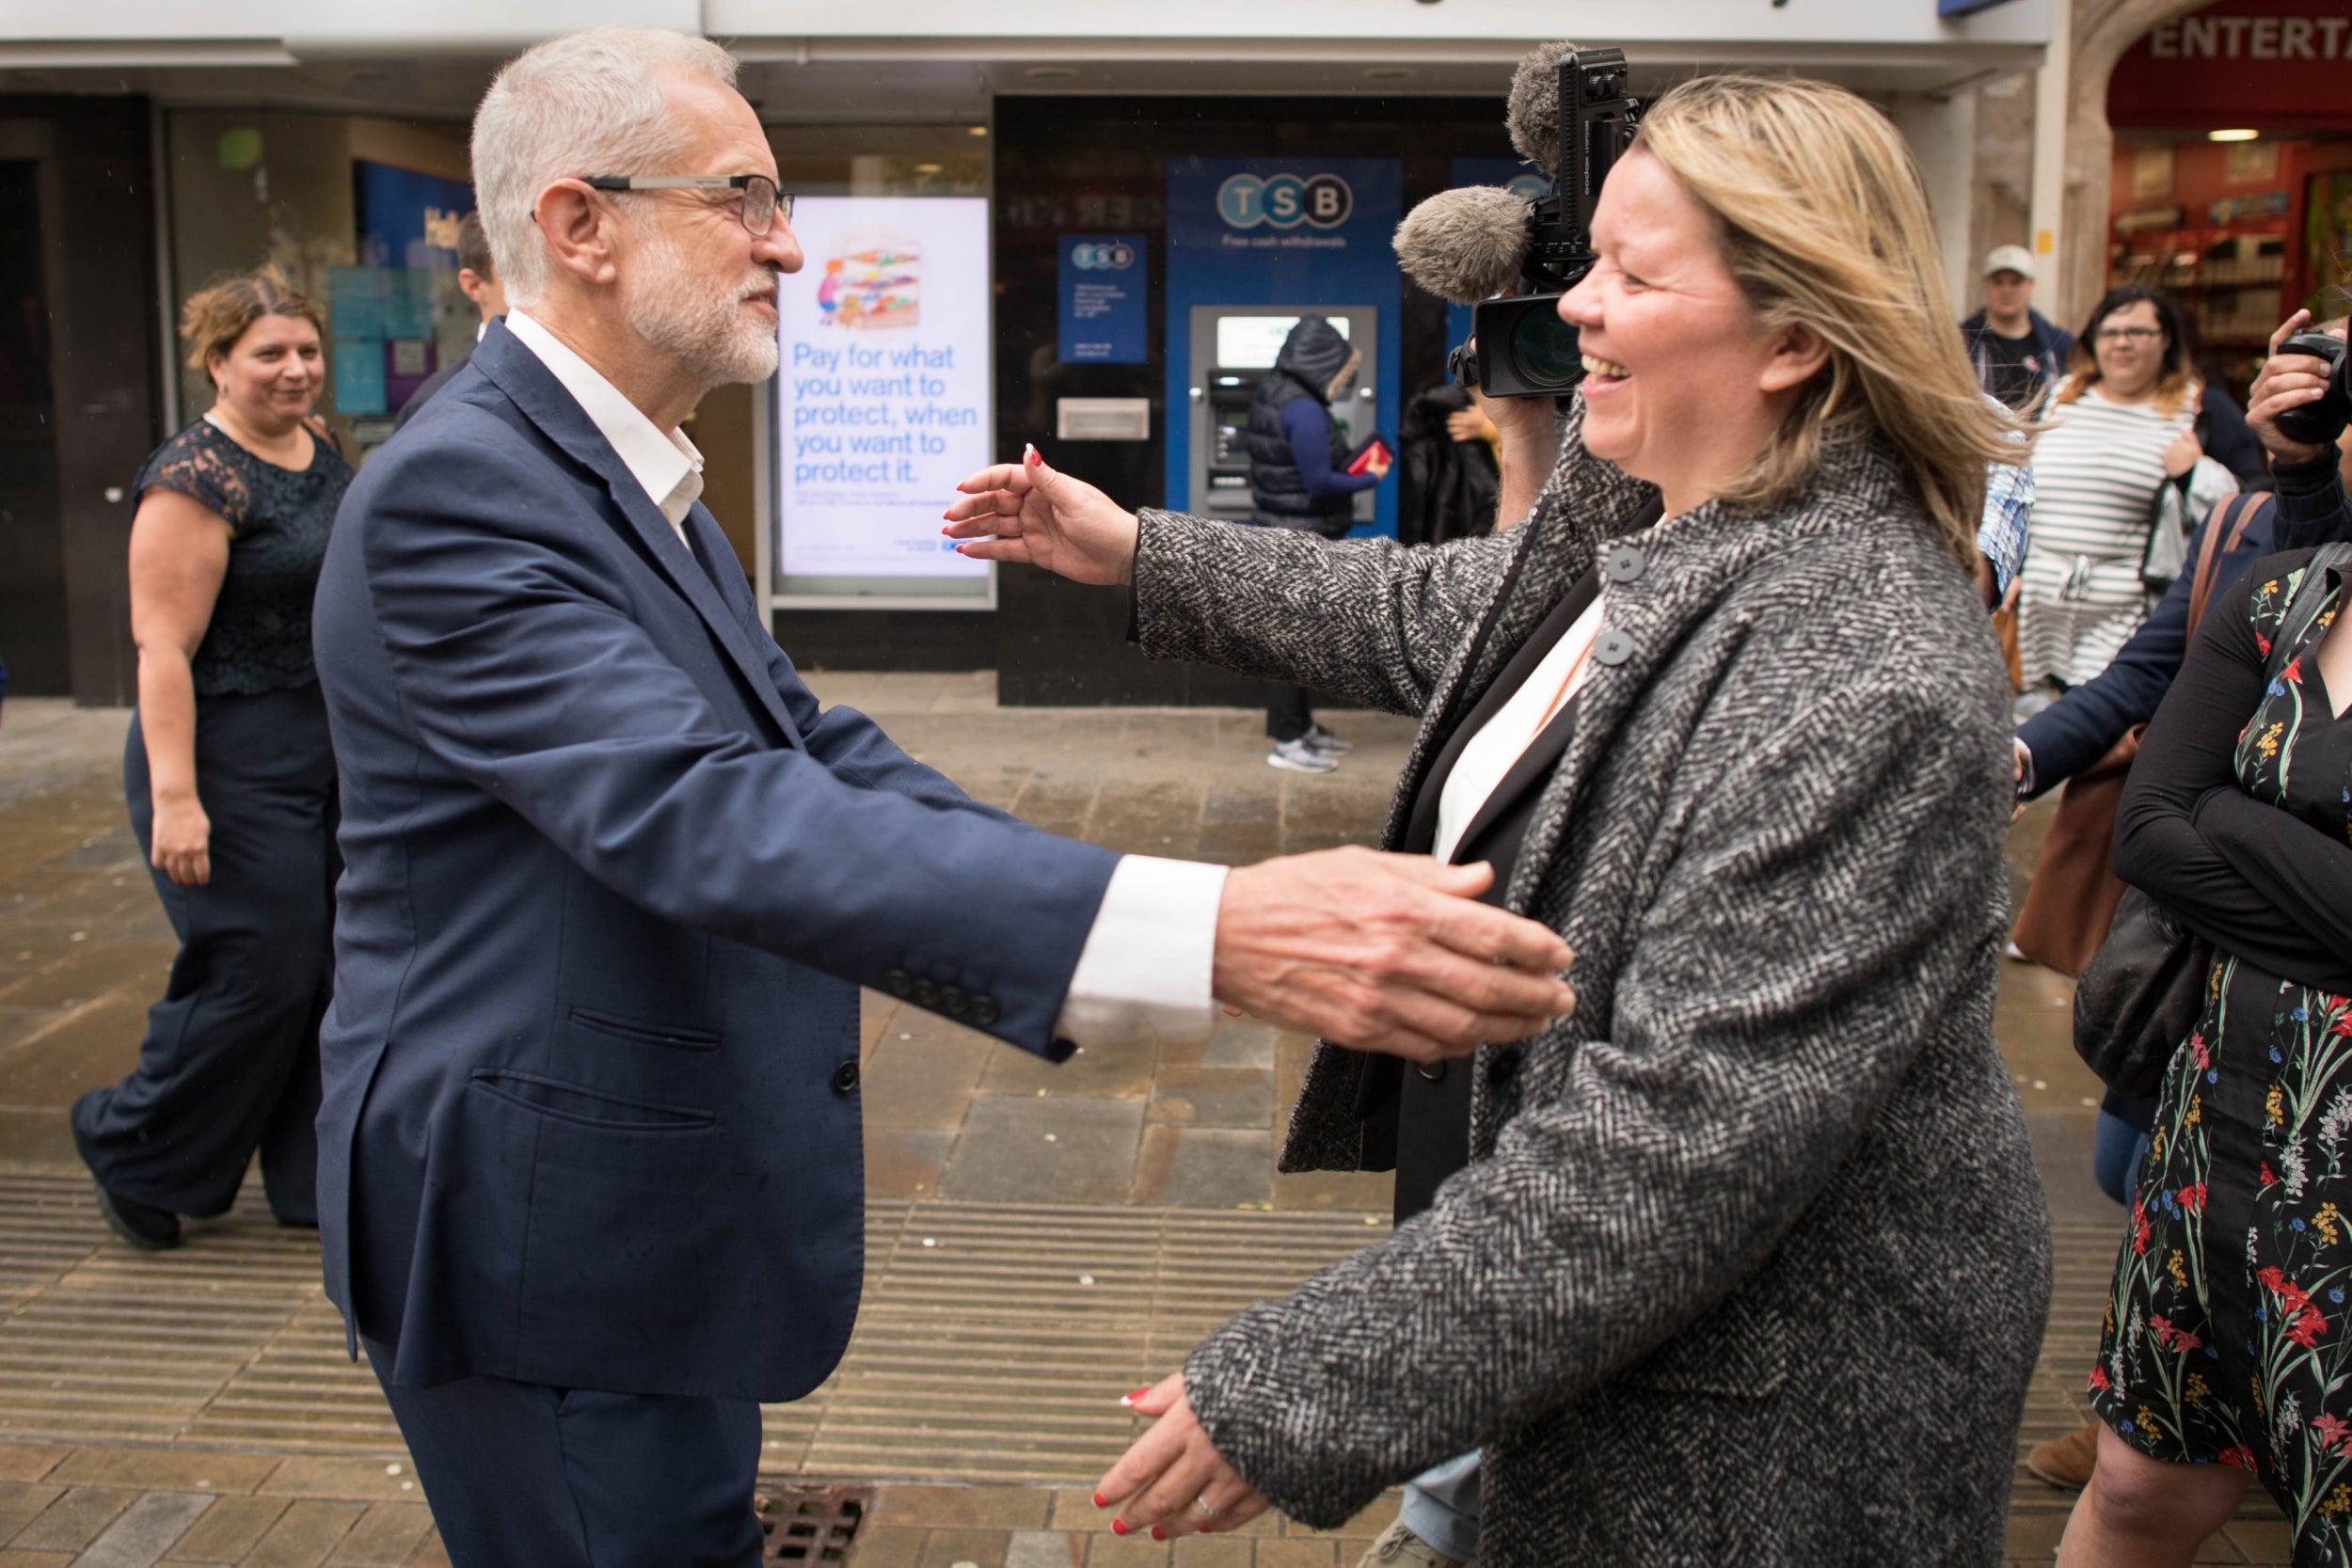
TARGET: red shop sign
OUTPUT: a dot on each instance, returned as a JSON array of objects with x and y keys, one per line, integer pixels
[{"x": 2268, "y": 65}]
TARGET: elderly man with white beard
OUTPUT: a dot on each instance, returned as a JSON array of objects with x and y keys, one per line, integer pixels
[{"x": 590, "y": 1180}]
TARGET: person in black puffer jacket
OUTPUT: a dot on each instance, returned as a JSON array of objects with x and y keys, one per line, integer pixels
[{"x": 1298, "y": 478}]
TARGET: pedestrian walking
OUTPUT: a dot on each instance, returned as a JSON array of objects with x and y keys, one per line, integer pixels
[
  {"x": 1298, "y": 478},
  {"x": 230, "y": 780},
  {"x": 1723, "y": 712},
  {"x": 2123, "y": 432}
]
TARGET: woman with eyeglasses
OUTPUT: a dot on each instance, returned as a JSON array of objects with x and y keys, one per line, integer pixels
[{"x": 2124, "y": 427}]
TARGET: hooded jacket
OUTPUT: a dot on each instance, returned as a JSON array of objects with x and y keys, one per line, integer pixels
[{"x": 1316, "y": 361}]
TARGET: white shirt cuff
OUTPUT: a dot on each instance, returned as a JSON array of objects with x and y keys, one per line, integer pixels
[{"x": 1144, "y": 974}]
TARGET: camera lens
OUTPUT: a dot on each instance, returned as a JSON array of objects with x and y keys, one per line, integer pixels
[{"x": 1546, "y": 349}]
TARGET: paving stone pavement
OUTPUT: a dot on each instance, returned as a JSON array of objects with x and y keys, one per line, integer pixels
[{"x": 1041, "y": 1237}]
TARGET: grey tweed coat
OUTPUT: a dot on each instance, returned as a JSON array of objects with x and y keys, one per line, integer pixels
[{"x": 1751, "y": 1263}]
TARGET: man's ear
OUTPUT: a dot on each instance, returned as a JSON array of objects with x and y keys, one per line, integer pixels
[
  {"x": 470, "y": 283},
  {"x": 1797, "y": 356},
  {"x": 579, "y": 232}
]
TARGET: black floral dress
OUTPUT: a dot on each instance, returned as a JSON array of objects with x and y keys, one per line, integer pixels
[{"x": 2228, "y": 1338}]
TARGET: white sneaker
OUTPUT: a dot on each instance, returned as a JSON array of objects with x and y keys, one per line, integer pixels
[
  {"x": 1299, "y": 757},
  {"x": 1324, "y": 741}
]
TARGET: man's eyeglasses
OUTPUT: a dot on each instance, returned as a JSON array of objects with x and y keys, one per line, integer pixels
[
  {"x": 2129, "y": 334},
  {"x": 762, "y": 203}
]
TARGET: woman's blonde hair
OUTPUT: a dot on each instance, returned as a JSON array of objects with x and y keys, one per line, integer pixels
[
  {"x": 1825, "y": 225},
  {"x": 216, "y": 315}
]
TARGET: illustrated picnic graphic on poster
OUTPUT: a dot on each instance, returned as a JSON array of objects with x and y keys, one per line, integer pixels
[{"x": 882, "y": 399}]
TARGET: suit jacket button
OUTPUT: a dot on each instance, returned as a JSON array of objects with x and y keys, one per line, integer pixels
[
  {"x": 925, "y": 995},
  {"x": 1433, "y": 1071},
  {"x": 1624, "y": 563},
  {"x": 983, "y": 1009},
  {"x": 899, "y": 983},
  {"x": 1615, "y": 647},
  {"x": 845, "y": 1078},
  {"x": 953, "y": 999}
]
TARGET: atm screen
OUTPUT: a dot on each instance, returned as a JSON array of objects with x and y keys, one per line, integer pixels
[{"x": 1251, "y": 342}]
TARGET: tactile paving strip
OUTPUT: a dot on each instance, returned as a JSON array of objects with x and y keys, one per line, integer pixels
[{"x": 992, "y": 1342}]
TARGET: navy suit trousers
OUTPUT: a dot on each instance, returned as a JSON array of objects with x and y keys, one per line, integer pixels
[{"x": 522, "y": 1473}]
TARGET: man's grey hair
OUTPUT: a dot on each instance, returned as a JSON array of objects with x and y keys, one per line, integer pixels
[{"x": 592, "y": 102}]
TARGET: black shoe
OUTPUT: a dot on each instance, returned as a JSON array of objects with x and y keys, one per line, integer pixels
[{"x": 149, "y": 1229}]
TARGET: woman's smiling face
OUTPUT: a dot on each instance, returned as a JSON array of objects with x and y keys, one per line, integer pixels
[{"x": 1683, "y": 383}]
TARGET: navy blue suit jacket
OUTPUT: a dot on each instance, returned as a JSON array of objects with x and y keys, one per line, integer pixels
[
  {"x": 2077, "y": 730},
  {"x": 611, "y": 880}
]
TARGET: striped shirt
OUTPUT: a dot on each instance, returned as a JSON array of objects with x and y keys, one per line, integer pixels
[{"x": 2096, "y": 471}]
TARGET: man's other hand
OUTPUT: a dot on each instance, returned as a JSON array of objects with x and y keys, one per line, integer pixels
[
  {"x": 1386, "y": 952},
  {"x": 2287, "y": 381}
]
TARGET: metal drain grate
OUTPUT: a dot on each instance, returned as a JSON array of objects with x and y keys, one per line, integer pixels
[{"x": 812, "y": 1524}]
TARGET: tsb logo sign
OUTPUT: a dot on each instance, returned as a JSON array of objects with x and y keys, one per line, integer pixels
[
  {"x": 1103, "y": 257},
  {"x": 1284, "y": 201}
]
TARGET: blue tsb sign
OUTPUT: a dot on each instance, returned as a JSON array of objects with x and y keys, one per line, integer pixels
[{"x": 1965, "y": 7}]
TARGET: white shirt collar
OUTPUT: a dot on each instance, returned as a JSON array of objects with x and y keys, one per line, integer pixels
[{"x": 664, "y": 462}]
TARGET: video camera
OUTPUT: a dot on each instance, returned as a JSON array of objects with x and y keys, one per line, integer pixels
[{"x": 1519, "y": 346}]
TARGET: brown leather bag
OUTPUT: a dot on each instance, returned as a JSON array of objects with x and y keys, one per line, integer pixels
[{"x": 2072, "y": 898}]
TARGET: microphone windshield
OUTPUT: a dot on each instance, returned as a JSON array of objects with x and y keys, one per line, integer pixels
[
  {"x": 1533, "y": 111},
  {"x": 1464, "y": 245}
]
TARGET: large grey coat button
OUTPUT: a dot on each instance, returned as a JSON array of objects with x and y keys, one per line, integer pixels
[
  {"x": 1615, "y": 647},
  {"x": 1624, "y": 563}
]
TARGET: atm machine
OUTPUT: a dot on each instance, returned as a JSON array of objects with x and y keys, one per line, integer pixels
[{"x": 1232, "y": 348}]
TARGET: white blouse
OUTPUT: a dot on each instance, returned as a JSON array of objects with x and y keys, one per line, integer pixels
[{"x": 1488, "y": 755}]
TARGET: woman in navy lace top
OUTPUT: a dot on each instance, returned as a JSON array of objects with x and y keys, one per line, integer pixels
[{"x": 230, "y": 780}]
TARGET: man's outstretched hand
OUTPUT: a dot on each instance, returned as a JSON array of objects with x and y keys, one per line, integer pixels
[
  {"x": 1031, "y": 512},
  {"x": 1386, "y": 952}
]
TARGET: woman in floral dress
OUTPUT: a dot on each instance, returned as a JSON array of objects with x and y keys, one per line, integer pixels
[{"x": 2228, "y": 1350}]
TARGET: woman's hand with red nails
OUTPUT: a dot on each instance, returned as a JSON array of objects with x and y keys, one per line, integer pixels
[
  {"x": 1171, "y": 1468},
  {"x": 1027, "y": 512}
]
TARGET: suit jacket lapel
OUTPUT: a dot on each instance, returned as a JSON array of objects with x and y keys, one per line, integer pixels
[{"x": 534, "y": 389}]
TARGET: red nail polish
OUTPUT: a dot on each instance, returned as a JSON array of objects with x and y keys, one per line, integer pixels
[
  {"x": 1101, "y": 1501},
  {"x": 1119, "y": 1527},
  {"x": 1158, "y": 1534}
]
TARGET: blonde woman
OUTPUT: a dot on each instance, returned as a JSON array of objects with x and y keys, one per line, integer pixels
[
  {"x": 1750, "y": 1262},
  {"x": 231, "y": 780},
  {"x": 2122, "y": 427}
]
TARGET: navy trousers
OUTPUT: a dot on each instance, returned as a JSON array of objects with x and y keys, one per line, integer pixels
[
  {"x": 231, "y": 1061},
  {"x": 521, "y": 1473}
]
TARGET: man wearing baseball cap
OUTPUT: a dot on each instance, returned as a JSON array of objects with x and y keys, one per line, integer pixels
[{"x": 2019, "y": 355}]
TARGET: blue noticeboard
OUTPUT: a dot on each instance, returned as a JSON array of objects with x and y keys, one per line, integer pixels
[
  {"x": 1106, "y": 284},
  {"x": 1281, "y": 232}
]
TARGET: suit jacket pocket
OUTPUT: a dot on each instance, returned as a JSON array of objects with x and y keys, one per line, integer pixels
[
  {"x": 552, "y": 1097},
  {"x": 1738, "y": 1350},
  {"x": 677, "y": 1036}
]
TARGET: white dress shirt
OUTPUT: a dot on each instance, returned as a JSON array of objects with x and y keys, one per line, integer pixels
[
  {"x": 1501, "y": 740},
  {"x": 1144, "y": 973}
]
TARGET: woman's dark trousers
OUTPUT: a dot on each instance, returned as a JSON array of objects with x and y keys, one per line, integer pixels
[{"x": 230, "y": 1062}]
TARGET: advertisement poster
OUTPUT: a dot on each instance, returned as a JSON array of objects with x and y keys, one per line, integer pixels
[
  {"x": 882, "y": 386},
  {"x": 1106, "y": 285},
  {"x": 399, "y": 312}
]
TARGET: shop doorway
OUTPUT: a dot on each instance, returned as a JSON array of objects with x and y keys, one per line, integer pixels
[{"x": 32, "y": 550}]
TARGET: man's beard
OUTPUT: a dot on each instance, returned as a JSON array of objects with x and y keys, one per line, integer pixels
[{"x": 701, "y": 323}]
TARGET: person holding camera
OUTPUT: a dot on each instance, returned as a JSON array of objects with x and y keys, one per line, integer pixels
[{"x": 1721, "y": 711}]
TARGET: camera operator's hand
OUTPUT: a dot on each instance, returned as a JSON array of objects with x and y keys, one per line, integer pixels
[
  {"x": 1527, "y": 449},
  {"x": 2287, "y": 381},
  {"x": 1470, "y": 424},
  {"x": 1029, "y": 513},
  {"x": 2181, "y": 455}
]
